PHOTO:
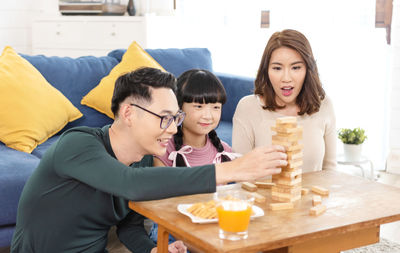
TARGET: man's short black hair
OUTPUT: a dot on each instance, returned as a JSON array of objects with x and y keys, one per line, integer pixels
[{"x": 137, "y": 84}]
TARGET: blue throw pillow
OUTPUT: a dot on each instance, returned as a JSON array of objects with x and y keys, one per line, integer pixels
[
  {"x": 176, "y": 61},
  {"x": 75, "y": 78}
]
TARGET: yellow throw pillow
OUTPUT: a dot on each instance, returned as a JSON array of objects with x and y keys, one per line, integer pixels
[
  {"x": 99, "y": 98},
  {"x": 31, "y": 109}
]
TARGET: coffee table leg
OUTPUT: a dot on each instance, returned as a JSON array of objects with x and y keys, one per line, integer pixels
[{"x": 162, "y": 240}]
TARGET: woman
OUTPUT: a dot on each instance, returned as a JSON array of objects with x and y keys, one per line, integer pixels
[{"x": 287, "y": 84}]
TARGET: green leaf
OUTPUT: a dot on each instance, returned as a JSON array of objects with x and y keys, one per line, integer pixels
[{"x": 352, "y": 136}]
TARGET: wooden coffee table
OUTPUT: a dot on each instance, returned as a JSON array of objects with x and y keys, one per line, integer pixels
[{"x": 356, "y": 207}]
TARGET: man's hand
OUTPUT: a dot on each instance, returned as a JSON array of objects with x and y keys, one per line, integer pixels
[
  {"x": 258, "y": 163},
  {"x": 175, "y": 247}
]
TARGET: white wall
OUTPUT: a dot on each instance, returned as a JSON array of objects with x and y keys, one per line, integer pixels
[
  {"x": 15, "y": 22},
  {"x": 16, "y": 18},
  {"x": 352, "y": 55},
  {"x": 355, "y": 77},
  {"x": 393, "y": 164}
]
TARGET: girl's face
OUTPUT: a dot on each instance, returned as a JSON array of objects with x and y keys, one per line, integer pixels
[
  {"x": 201, "y": 118},
  {"x": 286, "y": 71}
]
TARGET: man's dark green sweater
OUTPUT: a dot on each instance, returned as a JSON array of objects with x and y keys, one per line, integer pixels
[{"x": 79, "y": 190}]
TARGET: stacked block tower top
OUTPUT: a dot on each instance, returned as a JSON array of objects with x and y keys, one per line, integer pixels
[{"x": 288, "y": 183}]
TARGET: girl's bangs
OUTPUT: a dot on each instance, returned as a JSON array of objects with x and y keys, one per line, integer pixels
[{"x": 204, "y": 92}]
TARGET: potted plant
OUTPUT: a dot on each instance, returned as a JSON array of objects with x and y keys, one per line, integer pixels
[{"x": 352, "y": 142}]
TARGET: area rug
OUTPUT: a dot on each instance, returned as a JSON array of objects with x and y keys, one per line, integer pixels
[{"x": 384, "y": 246}]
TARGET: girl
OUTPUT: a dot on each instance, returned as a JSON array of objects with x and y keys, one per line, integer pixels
[
  {"x": 287, "y": 84},
  {"x": 200, "y": 95}
]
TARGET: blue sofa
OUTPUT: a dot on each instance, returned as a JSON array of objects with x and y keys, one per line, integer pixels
[{"x": 75, "y": 78}]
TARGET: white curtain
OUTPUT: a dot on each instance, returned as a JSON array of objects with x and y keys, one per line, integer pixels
[
  {"x": 393, "y": 162},
  {"x": 352, "y": 55}
]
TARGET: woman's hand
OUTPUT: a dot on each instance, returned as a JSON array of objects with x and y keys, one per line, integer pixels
[{"x": 175, "y": 247}]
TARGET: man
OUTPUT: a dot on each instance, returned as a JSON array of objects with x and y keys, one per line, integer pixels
[{"x": 84, "y": 181}]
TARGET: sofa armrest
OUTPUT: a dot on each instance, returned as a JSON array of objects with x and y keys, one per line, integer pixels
[{"x": 236, "y": 87}]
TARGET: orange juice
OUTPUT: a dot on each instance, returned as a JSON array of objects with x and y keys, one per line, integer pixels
[{"x": 234, "y": 216}]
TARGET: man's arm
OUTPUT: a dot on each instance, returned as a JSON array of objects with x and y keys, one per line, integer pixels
[
  {"x": 82, "y": 157},
  {"x": 258, "y": 163}
]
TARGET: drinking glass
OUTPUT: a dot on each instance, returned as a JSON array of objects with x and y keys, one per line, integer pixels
[{"x": 234, "y": 208}]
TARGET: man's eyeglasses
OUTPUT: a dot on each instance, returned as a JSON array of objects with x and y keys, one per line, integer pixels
[{"x": 166, "y": 120}]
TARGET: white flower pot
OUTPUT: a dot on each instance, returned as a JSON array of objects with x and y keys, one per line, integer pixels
[{"x": 352, "y": 152}]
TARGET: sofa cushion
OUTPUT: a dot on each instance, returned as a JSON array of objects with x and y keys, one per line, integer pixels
[
  {"x": 6, "y": 234},
  {"x": 236, "y": 87},
  {"x": 176, "y": 61},
  {"x": 15, "y": 168},
  {"x": 42, "y": 148},
  {"x": 32, "y": 109},
  {"x": 99, "y": 98},
  {"x": 75, "y": 78}
]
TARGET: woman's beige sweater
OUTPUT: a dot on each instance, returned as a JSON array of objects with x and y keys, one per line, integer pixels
[{"x": 252, "y": 128}]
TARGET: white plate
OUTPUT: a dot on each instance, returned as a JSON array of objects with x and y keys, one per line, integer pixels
[
  {"x": 258, "y": 212},
  {"x": 236, "y": 186}
]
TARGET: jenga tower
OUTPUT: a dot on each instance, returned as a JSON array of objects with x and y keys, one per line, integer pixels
[{"x": 288, "y": 183}]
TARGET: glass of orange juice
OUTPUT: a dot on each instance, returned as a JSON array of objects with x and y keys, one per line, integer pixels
[{"x": 234, "y": 208}]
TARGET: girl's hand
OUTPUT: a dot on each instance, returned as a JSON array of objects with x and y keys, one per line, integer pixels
[{"x": 175, "y": 247}]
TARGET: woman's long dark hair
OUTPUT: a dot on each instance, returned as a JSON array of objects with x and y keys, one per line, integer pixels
[
  {"x": 199, "y": 86},
  {"x": 311, "y": 94}
]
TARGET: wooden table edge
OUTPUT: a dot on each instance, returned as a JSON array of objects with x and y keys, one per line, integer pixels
[
  {"x": 176, "y": 232},
  {"x": 170, "y": 229}
]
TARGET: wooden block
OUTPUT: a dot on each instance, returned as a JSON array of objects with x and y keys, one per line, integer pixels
[
  {"x": 305, "y": 191},
  {"x": 286, "y": 193},
  {"x": 286, "y": 135},
  {"x": 288, "y": 169},
  {"x": 291, "y": 190},
  {"x": 285, "y": 197},
  {"x": 292, "y": 138},
  {"x": 292, "y": 182},
  {"x": 286, "y": 120},
  {"x": 286, "y": 144},
  {"x": 317, "y": 210},
  {"x": 280, "y": 206},
  {"x": 258, "y": 197},
  {"x": 287, "y": 177},
  {"x": 298, "y": 129},
  {"x": 316, "y": 200},
  {"x": 292, "y": 161},
  {"x": 286, "y": 125},
  {"x": 294, "y": 155},
  {"x": 291, "y": 174},
  {"x": 320, "y": 190},
  {"x": 294, "y": 164},
  {"x": 285, "y": 186},
  {"x": 264, "y": 185},
  {"x": 249, "y": 186},
  {"x": 295, "y": 147}
]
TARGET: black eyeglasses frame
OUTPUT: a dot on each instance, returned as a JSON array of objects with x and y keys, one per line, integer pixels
[{"x": 169, "y": 117}]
